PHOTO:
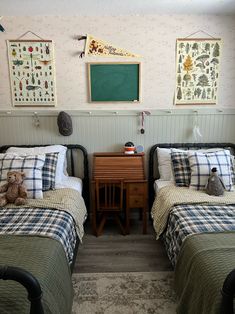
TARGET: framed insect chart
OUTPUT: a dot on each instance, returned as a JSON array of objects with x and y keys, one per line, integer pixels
[
  {"x": 32, "y": 72},
  {"x": 197, "y": 70}
]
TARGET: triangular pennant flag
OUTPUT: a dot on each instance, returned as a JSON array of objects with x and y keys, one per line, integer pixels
[
  {"x": 2, "y": 29},
  {"x": 99, "y": 47}
]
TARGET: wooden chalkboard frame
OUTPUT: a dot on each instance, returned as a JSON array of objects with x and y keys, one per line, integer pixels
[{"x": 90, "y": 64}]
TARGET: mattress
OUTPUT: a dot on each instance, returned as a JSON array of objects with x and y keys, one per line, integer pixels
[
  {"x": 158, "y": 184},
  {"x": 41, "y": 222},
  {"x": 59, "y": 215},
  {"x": 72, "y": 183},
  {"x": 186, "y": 220},
  {"x": 45, "y": 259}
]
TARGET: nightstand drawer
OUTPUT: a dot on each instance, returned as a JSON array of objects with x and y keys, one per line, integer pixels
[
  {"x": 136, "y": 201},
  {"x": 136, "y": 188}
]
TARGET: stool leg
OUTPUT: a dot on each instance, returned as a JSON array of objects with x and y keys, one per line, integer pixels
[
  {"x": 127, "y": 220},
  {"x": 117, "y": 219},
  {"x": 101, "y": 225},
  {"x": 144, "y": 217},
  {"x": 94, "y": 227}
]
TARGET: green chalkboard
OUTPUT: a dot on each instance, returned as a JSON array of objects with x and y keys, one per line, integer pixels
[{"x": 114, "y": 81}]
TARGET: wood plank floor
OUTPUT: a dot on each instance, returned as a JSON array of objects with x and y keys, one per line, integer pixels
[{"x": 113, "y": 252}]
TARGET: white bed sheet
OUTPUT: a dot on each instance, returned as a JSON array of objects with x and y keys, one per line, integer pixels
[
  {"x": 72, "y": 183},
  {"x": 158, "y": 184}
]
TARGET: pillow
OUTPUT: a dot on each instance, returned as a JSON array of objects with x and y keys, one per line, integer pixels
[
  {"x": 30, "y": 165},
  {"x": 164, "y": 160},
  {"x": 61, "y": 173},
  {"x": 181, "y": 168},
  {"x": 201, "y": 165},
  {"x": 232, "y": 168},
  {"x": 164, "y": 164},
  {"x": 49, "y": 172}
]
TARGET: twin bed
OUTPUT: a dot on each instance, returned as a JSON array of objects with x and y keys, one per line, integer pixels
[
  {"x": 198, "y": 231},
  {"x": 39, "y": 241}
]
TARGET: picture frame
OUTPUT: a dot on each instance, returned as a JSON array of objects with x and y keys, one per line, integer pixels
[
  {"x": 32, "y": 73},
  {"x": 197, "y": 71},
  {"x": 114, "y": 81}
]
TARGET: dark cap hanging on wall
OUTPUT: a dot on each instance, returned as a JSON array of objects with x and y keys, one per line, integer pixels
[{"x": 64, "y": 123}]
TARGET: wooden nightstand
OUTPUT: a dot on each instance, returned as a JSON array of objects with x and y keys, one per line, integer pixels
[
  {"x": 136, "y": 197},
  {"x": 130, "y": 169}
]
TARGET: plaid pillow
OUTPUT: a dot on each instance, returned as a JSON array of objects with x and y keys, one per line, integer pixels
[
  {"x": 232, "y": 168},
  {"x": 201, "y": 165},
  {"x": 181, "y": 168},
  {"x": 49, "y": 171},
  {"x": 30, "y": 165}
]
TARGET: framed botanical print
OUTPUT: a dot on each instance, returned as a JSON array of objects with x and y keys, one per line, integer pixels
[
  {"x": 32, "y": 72},
  {"x": 197, "y": 70}
]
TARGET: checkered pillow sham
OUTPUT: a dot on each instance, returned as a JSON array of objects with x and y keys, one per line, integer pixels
[
  {"x": 30, "y": 165},
  {"x": 49, "y": 171},
  {"x": 232, "y": 168},
  {"x": 181, "y": 168},
  {"x": 201, "y": 165}
]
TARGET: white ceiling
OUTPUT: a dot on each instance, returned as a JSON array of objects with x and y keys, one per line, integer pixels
[{"x": 115, "y": 7}]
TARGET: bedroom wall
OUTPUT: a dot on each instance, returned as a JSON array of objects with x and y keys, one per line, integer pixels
[
  {"x": 109, "y": 131},
  {"x": 153, "y": 37},
  {"x": 106, "y": 127}
]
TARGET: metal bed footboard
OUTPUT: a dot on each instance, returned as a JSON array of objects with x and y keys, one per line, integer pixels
[
  {"x": 30, "y": 283},
  {"x": 228, "y": 293}
]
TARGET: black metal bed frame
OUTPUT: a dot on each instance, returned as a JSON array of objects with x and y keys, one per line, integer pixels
[
  {"x": 24, "y": 277},
  {"x": 228, "y": 289}
]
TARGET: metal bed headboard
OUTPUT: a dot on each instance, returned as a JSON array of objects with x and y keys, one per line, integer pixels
[
  {"x": 72, "y": 158},
  {"x": 153, "y": 163}
]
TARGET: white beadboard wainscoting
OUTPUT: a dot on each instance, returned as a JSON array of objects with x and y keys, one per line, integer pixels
[{"x": 109, "y": 130}]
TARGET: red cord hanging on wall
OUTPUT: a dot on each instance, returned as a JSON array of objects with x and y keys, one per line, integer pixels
[{"x": 143, "y": 114}]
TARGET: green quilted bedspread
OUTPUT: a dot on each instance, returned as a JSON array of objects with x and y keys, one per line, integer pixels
[
  {"x": 203, "y": 263},
  {"x": 46, "y": 260}
]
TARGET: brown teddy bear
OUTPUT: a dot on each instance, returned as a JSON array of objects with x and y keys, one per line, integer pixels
[{"x": 15, "y": 190}]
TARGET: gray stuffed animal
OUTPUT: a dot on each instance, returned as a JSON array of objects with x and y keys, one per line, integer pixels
[{"x": 215, "y": 185}]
